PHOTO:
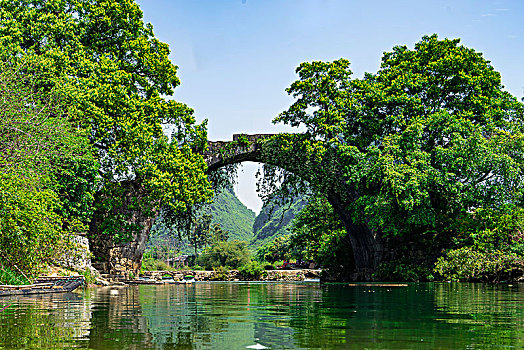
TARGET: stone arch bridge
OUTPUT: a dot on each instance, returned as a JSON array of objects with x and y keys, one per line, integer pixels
[
  {"x": 243, "y": 148},
  {"x": 367, "y": 245}
]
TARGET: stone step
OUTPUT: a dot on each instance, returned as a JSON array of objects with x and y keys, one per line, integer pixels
[{"x": 113, "y": 277}]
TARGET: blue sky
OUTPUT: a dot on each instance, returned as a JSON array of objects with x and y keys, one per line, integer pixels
[{"x": 236, "y": 57}]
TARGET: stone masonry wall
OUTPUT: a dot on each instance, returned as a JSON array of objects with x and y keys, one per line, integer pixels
[{"x": 234, "y": 275}]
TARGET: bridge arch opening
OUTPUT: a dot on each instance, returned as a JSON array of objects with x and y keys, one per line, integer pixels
[
  {"x": 367, "y": 245},
  {"x": 246, "y": 185}
]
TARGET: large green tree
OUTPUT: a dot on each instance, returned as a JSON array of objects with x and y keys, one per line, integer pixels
[
  {"x": 408, "y": 150},
  {"x": 108, "y": 66}
]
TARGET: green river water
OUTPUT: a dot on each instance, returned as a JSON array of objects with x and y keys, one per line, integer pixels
[{"x": 241, "y": 315}]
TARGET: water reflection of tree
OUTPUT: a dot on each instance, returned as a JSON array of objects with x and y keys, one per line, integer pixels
[
  {"x": 117, "y": 321},
  {"x": 338, "y": 315},
  {"x": 98, "y": 319},
  {"x": 423, "y": 315},
  {"x": 284, "y": 313},
  {"x": 492, "y": 314},
  {"x": 419, "y": 316},
  {"x": 277, "y": 315},
  {"x": 43, "y": 321},
  {"x": 202, "y": 315}
]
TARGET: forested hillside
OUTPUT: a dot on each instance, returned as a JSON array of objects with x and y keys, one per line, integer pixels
[
  {"x": 226, "y": 210},
  {"x": 232, "y": 215},
  {"x": 274, "y": 220}
]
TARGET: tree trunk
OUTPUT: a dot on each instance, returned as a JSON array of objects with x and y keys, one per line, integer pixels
[
  {"x": 367, "y": 244},
  {"x": 122, "y": 258}
]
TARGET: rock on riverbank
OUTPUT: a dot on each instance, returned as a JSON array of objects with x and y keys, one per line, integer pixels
[{"x": 235, "y": 275}]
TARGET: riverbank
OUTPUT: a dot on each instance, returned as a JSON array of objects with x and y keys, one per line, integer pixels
[{"x": 235, "y": 275}]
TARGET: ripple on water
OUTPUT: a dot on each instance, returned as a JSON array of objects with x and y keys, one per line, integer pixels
[{"x": 272, "y": 315}]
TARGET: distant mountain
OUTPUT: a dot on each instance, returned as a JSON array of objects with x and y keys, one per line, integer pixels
[
  {"x": 274, "y": 220},
  {"x": 226, "y": 210},
  {"x": 232, "y": 215}
]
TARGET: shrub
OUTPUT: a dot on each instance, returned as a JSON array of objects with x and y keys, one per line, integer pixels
[
  {"x": 277, "y": 264},
  {"x": 221, "y": 273},
  {"x": 8, "y": 276},
  {"x": 90, "y": 277},
  {"x": 231, "y": 253},
  {"x": 268, "y": 266},
  {"x": 150, "y": 264},
  {"x": 469, "y": 264},
  {"x": 252, "y": 269},
  {"x": 490, "y": 249},
  {"x": 277, "y": 249}
]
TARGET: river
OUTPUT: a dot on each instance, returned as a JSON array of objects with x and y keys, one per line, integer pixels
[{"x": 273, "y": 315}]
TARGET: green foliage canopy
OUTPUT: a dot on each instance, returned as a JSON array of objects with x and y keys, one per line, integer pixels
[
  {"x": 427, "y": 139},
  {"x": 489, "y": 247},
  {"x": 276, "y": 250},
  {"x": 106, "y": 63},
  {"x": 319, "y": 235}
]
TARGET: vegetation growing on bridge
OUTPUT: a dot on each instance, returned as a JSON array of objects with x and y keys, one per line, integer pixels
[{"x": 231, "y": 147}]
